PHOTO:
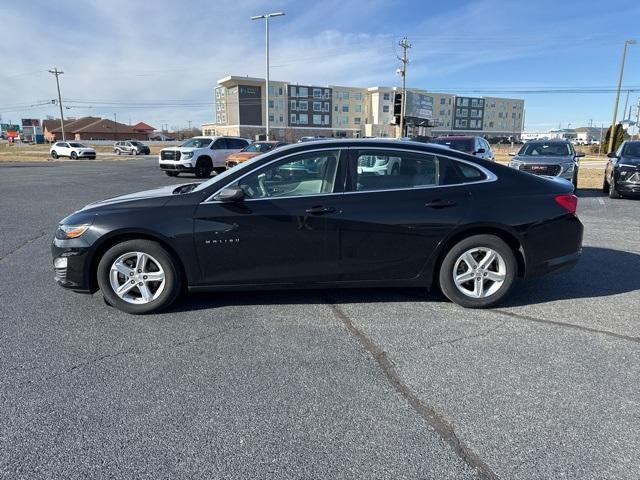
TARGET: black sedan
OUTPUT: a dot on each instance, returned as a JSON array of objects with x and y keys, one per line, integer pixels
[
  {"x": 622, "y": 173},
  {"x": 310, "y": 216}
]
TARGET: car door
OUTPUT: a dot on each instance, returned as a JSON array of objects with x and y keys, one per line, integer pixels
[
  {"x": 219, "y": 152},
  {"x": 65, "y": 150},
  {"x": 283, "y": 232},
  {"x": 391, "y": 224}
]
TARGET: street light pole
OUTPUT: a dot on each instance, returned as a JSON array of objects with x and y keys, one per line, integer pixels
[
  {"x": 615, "y": 108},
  {"x": 266, "y": 17}
]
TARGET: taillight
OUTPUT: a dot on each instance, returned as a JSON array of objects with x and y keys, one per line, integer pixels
[{"x": 568, "y": 201}]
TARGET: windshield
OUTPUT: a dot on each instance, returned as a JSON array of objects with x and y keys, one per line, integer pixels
[
  {"x": 137, "y": 144},
  {"x": 258, "y": 147},
  {"x": 197, "y": 143},
  {"x": 631, "y": 150},
  {"x": 77, "y": 145},
  {"x": 546, "y": 149},
  {"x": 462, "y": 145}
]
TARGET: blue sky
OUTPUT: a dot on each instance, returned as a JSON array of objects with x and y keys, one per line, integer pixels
[{"x": 159, "y": 61}]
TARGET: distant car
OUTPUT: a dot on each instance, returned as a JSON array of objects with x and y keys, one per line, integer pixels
[
  {"x": 131, "y": 147},
  {"x": 310, "y": 139},
  {"x": 553, "y": 158},
  {"x": 476, "y": 146},
  {"x": 622, "y": 173},
  {"x": 379, "y": 165},
  {"x": 72, "y": 150},
  {"x": 200, "y": 155},
  {"x": 251, "y": 151}
]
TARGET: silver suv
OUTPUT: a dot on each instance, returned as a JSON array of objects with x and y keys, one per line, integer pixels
[
  {"x": 131, "y": 147},
  {"x": 552, "y": 158}
]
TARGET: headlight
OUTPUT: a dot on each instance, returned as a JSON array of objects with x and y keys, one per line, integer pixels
[
  {"x": 568, "y": 167},
  {"x": 187, "y": 155},
  {"x": 66, "y": 232},
  {"x": 515, "y": 164},
  {"x": 381, "y": 162}
]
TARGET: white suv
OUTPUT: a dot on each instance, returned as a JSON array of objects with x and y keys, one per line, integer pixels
[
  {"x": 200, "y": 155},
  {"x": 72, "y": 150}
]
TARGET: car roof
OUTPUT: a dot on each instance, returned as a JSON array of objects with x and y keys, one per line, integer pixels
[
  {"x": 456, "y": 137},
  {"x": 553, "y": 140}
]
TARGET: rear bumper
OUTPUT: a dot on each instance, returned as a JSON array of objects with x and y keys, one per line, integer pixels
[{"x": 556, "y": 264}]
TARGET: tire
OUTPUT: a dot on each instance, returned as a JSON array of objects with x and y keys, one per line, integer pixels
[
  {"x": 54, "y": 154},
  {"x": 74, "y": 156},
  {"x": 613, "y": 192},
  {"x": 605, "y": 185},
  {"x": 157, "y": 260},
  {"x": 574, "y": 180},
  {"x": 203, "y": 168},
  {"x": 489, "y": 292},
  {"x": 118, "y": 152},
  {"x": 171, "y": 174}
]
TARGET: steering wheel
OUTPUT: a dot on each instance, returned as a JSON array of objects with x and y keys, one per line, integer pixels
[{"x": 262, "y": 185}]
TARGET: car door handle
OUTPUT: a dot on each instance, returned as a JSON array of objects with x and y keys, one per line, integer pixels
[
  {"x": 320, "y": 210},
  {"x": 440, "y": 203}
]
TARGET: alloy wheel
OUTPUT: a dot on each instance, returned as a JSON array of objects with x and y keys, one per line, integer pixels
[
  {"x": 137, "y": 277},
  {"x": 479, "y": 272}
]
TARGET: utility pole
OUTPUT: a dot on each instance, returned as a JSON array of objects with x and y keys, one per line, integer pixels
[
  {"x": 189, "y": 126},
  {"x": 601, "y": 140},
  {"x": 638, "y": 119},
  {"x": 266, "y": 17},
  {"x": 615, "y": 107},
  {"x": 57, "y": 73},
  {"x": 405, "y": 45},
  {"x": 115, "y": 126}
]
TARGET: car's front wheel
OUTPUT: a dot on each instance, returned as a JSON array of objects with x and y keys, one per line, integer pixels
[
  {"x": 74, "y": 155},
  {"x": 478, "y": 272},
  {"x": 613, "y": 191},
  {"x": 54, "y": 154},
  {"x": 203, "y": 167},
  {"x": 139, "y": 276}
]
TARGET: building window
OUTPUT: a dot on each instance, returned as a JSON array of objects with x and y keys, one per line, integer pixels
[
  {"x": 326, "y": 119},
  {"x": 499, "y": 114},
  {"x": 335, "y": 108},
  {"x": 385, "y": 96},
  {"x": 385, "y": 108},
  {"x": 442, "y": 112},
  {"x": 303, "y": 105},
  {"x": 317, "y": 119},
  {"x": 357, "y": 108},
  {"x": 303, "y": 92},
  {"x": 317, "y": 93},
  {"x": 271, "y": 104},
  {"x": 463, "y": 122},
  {"x": 271, "y": 117},
  {"x": 513, "y": 115},
  {"x": 344, "y": 119},
  {"x": 294, "y": 91},
  {"x": 272, "y": 91},
  {"x": 490, "y": 124},
  {"x": 327, "y": 93},
  {"x": 292, "y": 119},
  {"x": 280, "y": 91},
  {"x": 345, "y": 108},
  {"x": 303, "y": 119},
  {"x": 357, "y": 96},
  {"x": 317, "y": 106},
  {"x": 281, "y": 119},
  {"x": 442, "y": 101},
  {"x": 465, "y": 102},
  {"x": 345, "y": 95},
  {"x": 292, "y": 104},
  {"x": 326, "y": 107},
  {"x": 356, "y": 120}
]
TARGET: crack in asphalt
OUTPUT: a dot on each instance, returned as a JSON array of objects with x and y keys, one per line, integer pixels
[
  {"x": 481, "y": 334},
  {"x": 573, "y": 326},
  {"x": 24, "y": 244},
  {"x": 428, "y": 413}
]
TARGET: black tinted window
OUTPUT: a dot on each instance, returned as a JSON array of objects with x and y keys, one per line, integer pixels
[
  {"x": 469, "y": 173},
  {"x": 221, "y": 144},
  {"x": 632, "y": 150},
  {"x": 395, "y": 169}
]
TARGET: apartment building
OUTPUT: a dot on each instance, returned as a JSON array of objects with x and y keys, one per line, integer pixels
[{"x": 344, "y": 111}]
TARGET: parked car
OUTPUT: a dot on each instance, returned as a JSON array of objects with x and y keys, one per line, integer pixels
[
  {"x": 72, "y": 150},
  {"x": 622, "y": 173},
  {"x": 304, "y": 216},
  {"x": 476, "y": 146},
  {"x": 200, "y": 155},
  {"x": 379, "y": 165},
  {"x": 554, "y": 158},
  {"x": 251, "y": 151},
  {"x": 310, "y": 139},
  {"x": 131, "y": 147}
]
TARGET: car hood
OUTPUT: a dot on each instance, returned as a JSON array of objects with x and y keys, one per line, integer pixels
[
  {"x": 634, "y": 161},
  {"x": 242, "y": 156},
  {"x": 543, "y": 159},
  {"x": 179, "y": 149},
  {"x": 157, "y": 196}
]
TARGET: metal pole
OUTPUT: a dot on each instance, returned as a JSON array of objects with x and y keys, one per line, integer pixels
[
  {"x": 615, "y": 108},
  {"x": 638, "y": 119},
  {"x": 405, "y": 46},
  {"x": 266, "y": 96},
  {"x": 601, "y": 140},
  {"x": 115, "y": 126},
  {"x": 57, "y": 72}
]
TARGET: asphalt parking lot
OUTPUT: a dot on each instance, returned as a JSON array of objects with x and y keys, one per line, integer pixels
[{"x": 313, "y": 384}]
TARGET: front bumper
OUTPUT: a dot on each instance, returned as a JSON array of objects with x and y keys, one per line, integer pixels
[
  {"x": 89, "y": 155},
  {"x": 75, "y": 274},
  {"x": 176, "y": 166}
]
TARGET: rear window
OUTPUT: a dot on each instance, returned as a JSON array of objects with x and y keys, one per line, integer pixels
[
  {"x": 460, "y": 144},
  {"x": 469, "y": 173}
]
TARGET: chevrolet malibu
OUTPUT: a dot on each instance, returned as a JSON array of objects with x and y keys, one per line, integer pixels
[{"x": 307, "y": 216}]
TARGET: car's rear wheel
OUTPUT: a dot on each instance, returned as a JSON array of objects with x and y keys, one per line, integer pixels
[
  {"x": 613, "y": 191},
  {"x": 74, "y": 155},
  {"x": 203, "y": 168},
  {"x": 171, "y": 174},
  {"x": 54, "y": 154},
  {"x": 478, "y": 272},
  {"x": 139, "y": 276}
]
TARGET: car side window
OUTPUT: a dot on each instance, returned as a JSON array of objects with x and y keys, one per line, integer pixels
[
  {"x": 220, "y": 144},
  {"x": 236, "y": 143},
  {"x": 305, "y": 174},
  {"x": 396, "y": 169},
  {"x": 469, "y": 173}
]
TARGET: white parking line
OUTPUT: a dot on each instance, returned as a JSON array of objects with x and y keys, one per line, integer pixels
[{"x": 600, "y": 201}]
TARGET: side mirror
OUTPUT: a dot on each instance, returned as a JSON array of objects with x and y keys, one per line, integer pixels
[
  {"x": 230, "y": 194},
  {"x": 579, "y": 154},
  {"x": 512, "y": 154},
  {"x": 612, "y": 155}
]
